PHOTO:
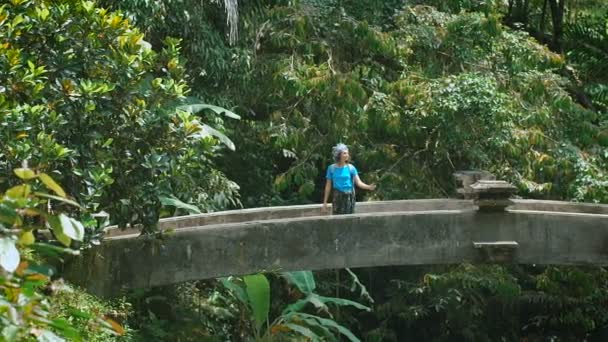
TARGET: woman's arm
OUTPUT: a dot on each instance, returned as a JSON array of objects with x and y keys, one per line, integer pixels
[
  {"x": 326, "y": 194},
  {"x": 359, "y": 183}
]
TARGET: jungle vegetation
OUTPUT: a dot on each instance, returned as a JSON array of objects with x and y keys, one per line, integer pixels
[{"x": 123, "y": 112}]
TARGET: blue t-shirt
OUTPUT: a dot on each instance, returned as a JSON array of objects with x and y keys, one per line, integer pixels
[{"x": 342, "y": 178}]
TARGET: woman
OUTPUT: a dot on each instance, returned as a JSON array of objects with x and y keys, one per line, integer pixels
[{"x": 342, "y": 177}]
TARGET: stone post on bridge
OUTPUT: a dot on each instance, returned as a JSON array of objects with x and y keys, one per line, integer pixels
[{"x": 490, "y": 196}]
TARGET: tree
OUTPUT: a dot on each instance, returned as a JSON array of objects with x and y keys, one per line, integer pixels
[{"x": 84, "y": 95}]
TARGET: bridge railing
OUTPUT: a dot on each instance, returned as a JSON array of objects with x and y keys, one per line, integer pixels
[{"x": 312, "y": 210}]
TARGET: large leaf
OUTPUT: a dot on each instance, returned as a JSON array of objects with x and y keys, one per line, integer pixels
[
  {"x": 49, "y": 336},
  {"x": 356, "y": 283},
  {"x": 27, "y": 238},
  {"x": 51, "y": 184},
  {"x": 9, "y": 255},
  {"x": 175, "y": 202},
  {"x": 258, "y": 292},
  {"x": 313, "y": 324},
  {"x": 304, "y": 331},
  {"x": 320, "y": 302},
  {"x": 66, "y": 228},
  {"x": 303, "y": 280},
  {"x": 207, "y": 130},
  {"x": 195, "y": 108},
  {"x": 330, "y": 323},
  {"x": 61, "y": 199},
  {"x": 25, "y": 173},
  {"x": 52, "y": 250},
  {"x": 55, "y": 224},
  {"x": 72, "y": 228},
  {"x": 237, "y": 290},
  {"x": 8, "y": 215},
  {"x": 19, "y": 191}
]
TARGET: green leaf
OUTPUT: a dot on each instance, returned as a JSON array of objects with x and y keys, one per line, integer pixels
[
  {"x": 304, "y": 331},
  {"x": 72, "y": 228},
  {"x": 25, "y": 173},
  {"x": 363, "y": 290},
  {"x": 51, "y": 184},
  {"x": 52, "y": 250},
  {"x": 10, "y": 333},
  {"x": 207, "y": 130},
  {"x": 27, "y": 238},
  {"x": 303, "y": 280},
  {"x": 175, "y": 202},
  {"x": 237, "y": 290},
  {"x": 195, "y": 108},
  {"x": 258, "y": 292},
  {"x": 320, "y": 302},
  {"x": 9, "y": 255},
  {"x": 8, "y": 215},
  {"x": 312, "y": 323},
  {"x": 340, "y": 302},
  {"x": 55, "y": 224},
  {"x": 49, "y": 336},
  {"x": 66, "y": 329},
  {"x": 61, "y": 199},
  {"x": 19, "y": 191},
  {"x": 64, "y": 239},
  {"x": 330, "y": 323}
]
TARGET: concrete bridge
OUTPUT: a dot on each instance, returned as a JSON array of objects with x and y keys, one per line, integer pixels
[{"x": 411, "y": 232}]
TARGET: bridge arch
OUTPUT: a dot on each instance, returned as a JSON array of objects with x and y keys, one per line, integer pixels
[{"x": 411, "y": 232}]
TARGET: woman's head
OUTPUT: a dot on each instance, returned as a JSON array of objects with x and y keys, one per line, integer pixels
[{"x": 340, "y": 153}]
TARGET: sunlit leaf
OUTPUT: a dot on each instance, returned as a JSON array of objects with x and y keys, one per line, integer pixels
[
  {"x": 71, "y": 228},
  {"x": 195, "y": 108},
  {"x": 115, "y": 326},
  {"x": 24, "y": 173},
  {"x": 51, "y": 184},
  {"x": 9, "y": 255},
  {"x": 27, "y": 238},
  {"x": 37, "y": 277},
  {"x": 56, "y": 224},
  {"x": 175, "y": 202},
  {"x": 19, "y": 191},
  {"x": 48, "y": 336},
  {"x": 258, "y": 292},
  {"x": 208, "y": 130},
  {"x": 64, "y": 239},
  {"x": 61, "y": 199},
  {"x": 10, "y": 332}
]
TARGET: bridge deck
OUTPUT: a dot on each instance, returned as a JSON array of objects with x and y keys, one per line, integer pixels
[{"x": 414, "y": 232}]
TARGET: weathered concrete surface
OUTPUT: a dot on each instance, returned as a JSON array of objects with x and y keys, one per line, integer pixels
[
  {"x": 398, "y": 233},
  {"x": 272, "y": 213}
]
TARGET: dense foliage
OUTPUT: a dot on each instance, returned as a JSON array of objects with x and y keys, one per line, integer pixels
[
  {"x": 418, "y": 89},
  {"x": 83, "y": 95},
  {"x": 417, "y": 92}
]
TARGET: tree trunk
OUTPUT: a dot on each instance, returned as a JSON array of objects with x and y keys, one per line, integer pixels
[
  {"x": 543, "y": 17},
  {"x": 557, "y": 18},
  {"x": 518, "y": 11}
]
